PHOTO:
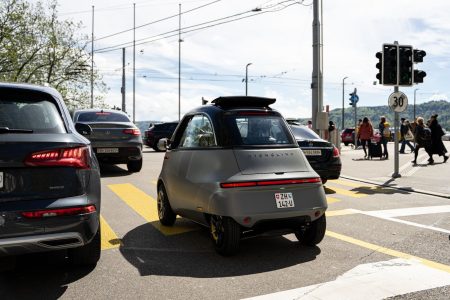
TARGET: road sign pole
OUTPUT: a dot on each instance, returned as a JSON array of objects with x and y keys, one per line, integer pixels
[
  {"x": 356, "y": 134},
  {"x": 396, "y": 154}
]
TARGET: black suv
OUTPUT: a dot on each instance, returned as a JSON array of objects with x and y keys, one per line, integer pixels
[
  {"x": 159, "y": 131},
  {"x": 49, "y": 177}
]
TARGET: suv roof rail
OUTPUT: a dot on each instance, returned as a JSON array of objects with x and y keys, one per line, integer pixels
[{"x": 243, "y": 101}]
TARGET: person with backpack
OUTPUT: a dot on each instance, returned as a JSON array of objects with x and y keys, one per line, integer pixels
[
  {"x": 437, "y": 146},
  {"x": 385, "y": 132},
  {"x": 422, "y": 136},
  {"x": 405, "y": 132}
]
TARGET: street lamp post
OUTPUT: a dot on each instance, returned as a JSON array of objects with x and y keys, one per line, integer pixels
[
  {"x": 246, "y": 78},
  {"x": 414, "y": 113},
  {"x": 343, "y": 80}
]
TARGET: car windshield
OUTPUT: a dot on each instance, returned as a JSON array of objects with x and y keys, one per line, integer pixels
[
  {"x": 258, "y": 130},
  {"x": 304, "y": 133},
  {"x": 101, "y": 116},
  {"x": 30, "y": 112}
]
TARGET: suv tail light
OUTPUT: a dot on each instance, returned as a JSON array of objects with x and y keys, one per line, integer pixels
[
  {"x": 269, "y": 182},
  {"x": 70, "y": 211},
  {"x": 335, "y": 152},
  {"x": 63, "y": 157},
  {"x": 132, "y": 131}
]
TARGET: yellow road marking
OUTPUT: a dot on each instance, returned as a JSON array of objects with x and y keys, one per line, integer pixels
[
  {"x": 332, "y": 200},
  {"x": 388, "y": 251},
  {"x": 109, "y": 239},
  {"x": 146, "y": 207},
  {"x": 348, "y": 183},
  {"x": 345, "y": 192},
  {"x": 362, "y": 186},
  {"x": 342, "y": 212}
]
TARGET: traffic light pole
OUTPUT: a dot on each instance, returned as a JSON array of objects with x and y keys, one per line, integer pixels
[{"x": 396, "y": 154}]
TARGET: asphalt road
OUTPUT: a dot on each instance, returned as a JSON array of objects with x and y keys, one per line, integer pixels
[{"x": 383, "y": 240}]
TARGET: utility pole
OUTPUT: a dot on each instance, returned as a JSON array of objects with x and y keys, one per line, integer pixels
[
  {"x": 343, "y": 85},
  {"x": 122, "y": 90},
  {"x": 179, "y": 61},
  {"x": 246, "y": 78},
  {"x": 134, "y": 62},
  {"x": 317, "y": 76},
  {"x": 92, "y": 60}
]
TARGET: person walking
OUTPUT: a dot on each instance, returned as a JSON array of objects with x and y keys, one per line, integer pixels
[
  {"x": 365, "y": 133},
  {"x": 383, "y": 126},
  {"x": 421, "y": 140},
  {"x": 437, "y": 146},
  {"x": 331, "y": 131},
  {"x": 405, "y": 130}
]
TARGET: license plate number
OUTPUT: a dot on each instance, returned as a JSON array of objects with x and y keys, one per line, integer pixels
[
  {"x": 284, "y": 200},
  {"x": 107, "y": 150},
  {"x": 312, "y": 152},
  {"x": 1, "y": 180}
]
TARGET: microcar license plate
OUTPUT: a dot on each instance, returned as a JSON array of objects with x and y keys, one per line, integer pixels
[
  {"x": 312, "y": 152},
  {"x": 107, "y": 150},
  {"x": 1, "y": 180},
  {"x": 284, "y": 200}
]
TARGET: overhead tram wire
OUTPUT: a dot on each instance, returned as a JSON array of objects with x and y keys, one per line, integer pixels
[
  {"x": 156, "y": 21},
  {"x": 165, "y": 35}
]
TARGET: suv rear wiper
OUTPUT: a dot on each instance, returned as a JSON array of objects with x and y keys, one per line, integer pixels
[{"x": 14, "y": 130}]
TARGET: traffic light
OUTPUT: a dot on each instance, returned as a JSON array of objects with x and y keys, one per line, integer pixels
[
  {"x": 379, "y": 66},
  {"x": 405, "y": 64},
  {"x": 418, "y": 55},
  {"x": 419, "y": 75},
  {"x": 390, "y": 71},
  {"x": 418, "y": 58}
]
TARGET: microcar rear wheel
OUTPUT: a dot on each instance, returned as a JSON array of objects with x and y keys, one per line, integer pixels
[
  {"x": 225, "y": 233},
  {"x": 165, "y": 213},
  {"x": 314, "y": 234},
  {"x": 134, "y": 165}
]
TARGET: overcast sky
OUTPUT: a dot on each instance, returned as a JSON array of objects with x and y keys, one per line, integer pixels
[{"x": 275, "y": 36}]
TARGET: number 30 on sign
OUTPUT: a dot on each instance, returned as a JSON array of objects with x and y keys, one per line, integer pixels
[{"x": 398, "y": 101}]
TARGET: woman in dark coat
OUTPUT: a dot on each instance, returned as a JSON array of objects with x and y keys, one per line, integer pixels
[
  {"x": 421, "y": 140},
  {"x": 437, "y": 146}
]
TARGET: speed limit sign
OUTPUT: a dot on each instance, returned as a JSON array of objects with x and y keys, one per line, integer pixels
[{"x": 398, "y": 101}]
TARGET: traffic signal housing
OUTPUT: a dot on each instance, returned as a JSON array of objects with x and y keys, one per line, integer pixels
[
  {"x": 418, "y": 56},
  {"x": 379, "y": 66},
  {"x": 390, "y": 70},
  {"x": 405, "y": 64}
]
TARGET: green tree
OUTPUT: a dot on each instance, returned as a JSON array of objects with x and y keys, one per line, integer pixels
[{"x": 37, "y": 48}]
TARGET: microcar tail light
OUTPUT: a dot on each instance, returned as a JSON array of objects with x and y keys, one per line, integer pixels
[
  {"x": 70, "y": 211},
  {"x": 132, "y": 131},
  {"x": 335, "y": 152},
  {"x": 62, "y": 157},
  {"x": 269, "y": 182}
]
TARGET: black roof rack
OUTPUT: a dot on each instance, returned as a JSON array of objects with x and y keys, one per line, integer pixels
[{"x": 243, "y": 101}]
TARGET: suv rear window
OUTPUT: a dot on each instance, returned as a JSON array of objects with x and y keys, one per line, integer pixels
[
  {"x": 101, "y": 117},
  {"x": 31, "y": 112},
  {"x": 258, "y": 130}
]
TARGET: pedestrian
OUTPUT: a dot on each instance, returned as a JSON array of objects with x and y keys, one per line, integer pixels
[
  {"x": 365, "y": 133},
  {"x": 421, "y": 139},
  {"x": 331, "y": 130},
  {"x": 437, "y": 146},
  {"x": 405, "y": 133},
  {"x": 385, "y": 132},
  {"x": 309, "y": 124}
]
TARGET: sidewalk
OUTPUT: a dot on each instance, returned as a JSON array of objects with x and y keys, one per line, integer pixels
[{"x": 429, "y": 179}]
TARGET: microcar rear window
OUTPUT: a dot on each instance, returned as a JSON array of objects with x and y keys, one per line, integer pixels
[{"x": 253, "y": 129}]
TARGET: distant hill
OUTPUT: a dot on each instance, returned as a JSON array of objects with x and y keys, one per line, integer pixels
[{"x": 425, "y": 110}]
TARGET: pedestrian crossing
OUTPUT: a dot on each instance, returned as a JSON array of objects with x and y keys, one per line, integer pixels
[{"x": 145, "y": 206}]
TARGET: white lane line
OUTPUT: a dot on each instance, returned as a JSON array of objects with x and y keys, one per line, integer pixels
[
  {"x": 410, "y": 211},
  {"x": 377, "y": 280}
]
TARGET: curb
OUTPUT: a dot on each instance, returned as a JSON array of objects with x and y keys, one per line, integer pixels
[{"x": 407, "y": 189}]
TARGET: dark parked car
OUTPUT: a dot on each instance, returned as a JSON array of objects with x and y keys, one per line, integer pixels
[
  {"x": 159, "y": 131},
  {"x": 235, "y": 167},
  {"x": 115, "y": 139},
  {"x": 49, "y": 177},
  {"x": 322, "y": 155}
]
